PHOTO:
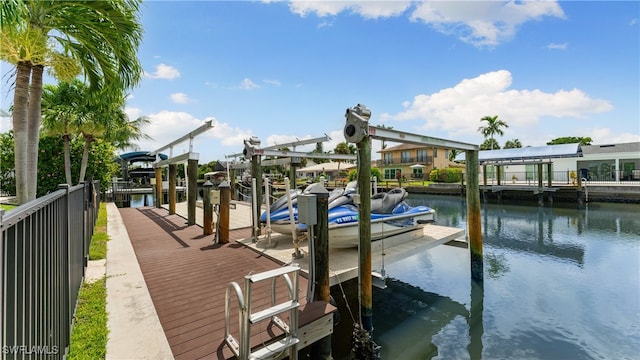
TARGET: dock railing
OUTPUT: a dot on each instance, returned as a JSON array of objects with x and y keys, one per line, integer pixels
[
  {"x": 44, "y": 252},
  {"x": 563, "y": 178}
]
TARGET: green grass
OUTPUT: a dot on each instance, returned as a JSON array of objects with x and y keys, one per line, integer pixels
[
  {"x": 6, "y": 207},
  {"x": 98, "y": 248},
  {"x": 89, "y": 336}
]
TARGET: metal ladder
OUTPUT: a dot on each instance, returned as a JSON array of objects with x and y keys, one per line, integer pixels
[{"x": 242, "y": 348}]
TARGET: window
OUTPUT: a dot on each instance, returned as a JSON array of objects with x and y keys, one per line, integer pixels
[
  {"x": 422, "y": 155},
  {"x": 405, "y": 157},
  {"x": 391, "y": 174},
  {"x": 388, "y": 158}
]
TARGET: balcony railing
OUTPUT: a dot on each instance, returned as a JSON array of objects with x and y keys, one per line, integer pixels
[{"x": 405, "y": 161}]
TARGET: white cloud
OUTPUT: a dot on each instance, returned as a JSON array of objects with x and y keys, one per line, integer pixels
[
  {"x": 180, "y": 98},
  {"x": 366, "y": 9},
  {"x": 483, "y": 23},
  {"x": 554, "y": 46},
  {"x": 457, "y": 110},
  {"x": 247, "y": 84},
  {"x": 6, "y": 123},
  {"x": 163, "y": 72},
  {"x": 272, "y": 82},
  {"x": 230, "y": 136},
  {"x": 480, "y": 23},
  {"x": 133, "y": 112},
  {"x": 607, "y": 136},
  {"x": 162, "y": 129}
]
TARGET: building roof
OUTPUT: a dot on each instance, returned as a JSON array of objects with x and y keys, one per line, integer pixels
[
  {"x": 527, "y": 153},
  {"x": 611, "y": 148},
  {"x": 143, "y": 156},
  {"x": 330, "y": 166},
  {"x": 404, "y": 146}
]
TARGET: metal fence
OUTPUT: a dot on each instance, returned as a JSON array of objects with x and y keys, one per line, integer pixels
[
  {"x": 562, "y": 178},
  {"x": 43, "y": 254}
]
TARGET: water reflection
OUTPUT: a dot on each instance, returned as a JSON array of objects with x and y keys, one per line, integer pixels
[{"x": 559, "y": 283}]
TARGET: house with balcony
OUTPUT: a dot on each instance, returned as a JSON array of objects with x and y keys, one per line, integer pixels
[{"x": 412, "y": 161}]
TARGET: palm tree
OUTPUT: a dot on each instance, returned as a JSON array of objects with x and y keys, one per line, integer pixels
[
  {"x": 512, "y": 144},
  {"x": 493, "y": 127},
  {"x": 453, "y": 153},
  {"x": 98, "y": 39},
  {"x": 60, "y": 112}
]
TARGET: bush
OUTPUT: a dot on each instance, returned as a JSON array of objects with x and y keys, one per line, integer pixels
[
  {"x": 447, "y": 175},
  {"x": 353, "y": 174}
]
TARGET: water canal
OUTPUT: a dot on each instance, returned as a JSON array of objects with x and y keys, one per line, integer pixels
[{"x": 560, "y": 283}]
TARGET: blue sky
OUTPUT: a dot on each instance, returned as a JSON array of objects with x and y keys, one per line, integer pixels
[{"x": 285, "y": 70}]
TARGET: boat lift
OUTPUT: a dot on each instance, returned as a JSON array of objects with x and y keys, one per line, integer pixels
[
  {"x": 253, "y": 151},
  {"x": 357, "y": 130}
]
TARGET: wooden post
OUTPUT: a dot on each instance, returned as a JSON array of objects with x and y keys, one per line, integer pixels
[
  {"x": 207, "y": 209},
  {"x": 549, "y": 175},
  {"x": 173, "y": 172},
  {"x": 192, "y": 195},
  {"x": 540, "y": 191},
  {"x": 473, "y": 216},
  {"x": 484, "y": 175},
  {"x": 256, "y": 172},
  {"x": 158, "y": 187},
  {"x": 364, "y": 223},
  {"x": 498, "y": 175},
  {"x": 321, "y": 350},
  {"x": 292, "y": 176},
  {"x": 232, "y": 183},
  {"x": 225, "y": 200},
  {"x": 540, "y": 176}
]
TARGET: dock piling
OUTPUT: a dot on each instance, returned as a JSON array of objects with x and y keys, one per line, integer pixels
[
  {"x": 225, "y": 200},
  {"x": 473, "y": 216}
]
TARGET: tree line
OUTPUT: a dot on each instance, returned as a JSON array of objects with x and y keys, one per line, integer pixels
[{"x": 96, "y": 41}]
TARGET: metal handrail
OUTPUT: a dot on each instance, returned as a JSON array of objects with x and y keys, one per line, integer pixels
[
  {"x": 242, "y": 315},
  {"x": 242, "y": 348}
]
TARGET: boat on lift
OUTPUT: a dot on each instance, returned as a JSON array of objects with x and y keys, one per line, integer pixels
[{"x": 390, "y": 215}]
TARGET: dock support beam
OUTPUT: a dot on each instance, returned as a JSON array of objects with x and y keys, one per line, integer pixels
[
  {"x": 225, "y": 200},
  {"x": 173, "y": 172},
  {"x": 256, "y": 172},
  {"x": 207, "y": 209},
  {"x": 232, "y": 183},
  {"x": 364, "y": 215},
  {"x": 158, "y": 201},
  {"x": 192, "y": 195},
  {"x": 473, "y": 216},
  {"x": 321, "y": 350}
]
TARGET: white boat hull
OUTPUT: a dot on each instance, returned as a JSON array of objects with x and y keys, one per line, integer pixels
[{"x": 346, "y": 235}]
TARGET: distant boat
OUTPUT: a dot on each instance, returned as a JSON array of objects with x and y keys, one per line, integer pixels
[{"x": 390, "y": 215}]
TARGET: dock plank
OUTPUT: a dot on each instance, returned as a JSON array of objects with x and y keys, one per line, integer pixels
[{"x": 187, "y": 277}]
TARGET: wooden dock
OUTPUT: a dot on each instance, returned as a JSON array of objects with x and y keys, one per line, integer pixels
[
  {"x": 187, "y": 275},
  {"x": 343, "y": 263},
  {"x": 187, "y": 278}
]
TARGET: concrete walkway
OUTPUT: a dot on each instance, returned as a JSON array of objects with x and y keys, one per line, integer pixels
[{"x": 134, "y": 329}]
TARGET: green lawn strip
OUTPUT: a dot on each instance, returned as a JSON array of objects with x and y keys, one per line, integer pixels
[
  {"x": 98, "y": 248},
  {"x": 89, "y": 336},
  {"x": 6, "y": 207}
]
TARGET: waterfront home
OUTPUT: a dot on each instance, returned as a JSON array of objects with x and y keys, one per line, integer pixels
[{"x": 412, "y": 161}]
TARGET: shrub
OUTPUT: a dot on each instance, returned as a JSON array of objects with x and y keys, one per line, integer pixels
[{"x": 447, "y": 175}]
